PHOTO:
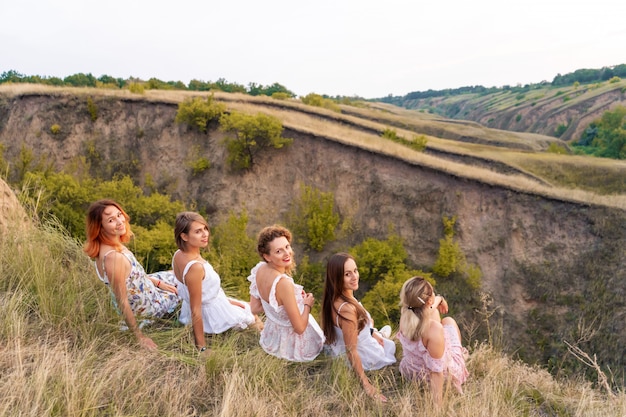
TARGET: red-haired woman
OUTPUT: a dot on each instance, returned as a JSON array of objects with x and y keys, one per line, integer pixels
[{"x": 136, "y": 294}]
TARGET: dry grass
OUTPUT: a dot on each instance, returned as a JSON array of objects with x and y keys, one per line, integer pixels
[
  {"x": 61, "y": 354},
  {"x": 582, "y": 180}
]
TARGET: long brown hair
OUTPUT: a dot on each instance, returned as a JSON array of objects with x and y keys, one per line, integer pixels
[
  {"x": 413, "y": 296},
  {"x": 93, "y": 223},
  {"x": 333, "y": 289}
]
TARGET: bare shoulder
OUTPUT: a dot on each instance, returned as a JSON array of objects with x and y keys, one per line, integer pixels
[
  {"x": 434, "y": 330},
  {"x": 113, "y": 258},
  {"x": 346, "y": 310}
]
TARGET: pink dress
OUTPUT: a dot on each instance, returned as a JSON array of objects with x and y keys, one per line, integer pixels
[
  {"x": 278, "y": 338},
  {"x": 417, "y": 363}
]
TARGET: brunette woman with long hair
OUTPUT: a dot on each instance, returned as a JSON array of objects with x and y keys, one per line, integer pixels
[
  {"x": 348, "y": 327},
  {"x": 136, "y": 294}
]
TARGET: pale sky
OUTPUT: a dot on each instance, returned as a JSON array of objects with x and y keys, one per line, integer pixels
[{"x": 363, "y": 48}]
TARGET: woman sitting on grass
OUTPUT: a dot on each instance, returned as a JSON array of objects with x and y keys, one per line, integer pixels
[
  {"x": 290, "y": 331},
  {"x": 136, "y": 294},
  {"x": 348, "y": 326},
  {"x": 205, "y": 304},
  {"x": 431, "y": 346}
]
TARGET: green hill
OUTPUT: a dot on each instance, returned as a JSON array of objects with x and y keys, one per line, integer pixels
[{"x": 563, "y": 108}]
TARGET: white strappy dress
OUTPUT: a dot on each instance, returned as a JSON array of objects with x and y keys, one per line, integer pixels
[
  {"x": 373, "y": 355},
  {"x": 218, "y": 314},
  {"x": 278, "y": 337}
]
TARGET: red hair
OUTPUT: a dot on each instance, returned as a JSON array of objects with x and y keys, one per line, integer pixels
[{"x": 95, "y": 237}]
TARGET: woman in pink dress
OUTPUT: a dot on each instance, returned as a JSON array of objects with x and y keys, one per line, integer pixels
[
  {"x": 431, "y": 346},
  {"x": 290, "y": 331}
]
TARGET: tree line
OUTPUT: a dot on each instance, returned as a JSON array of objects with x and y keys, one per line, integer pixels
[
  {"x": 107, "y": 81},
  {"x": 582, "y": 76}
]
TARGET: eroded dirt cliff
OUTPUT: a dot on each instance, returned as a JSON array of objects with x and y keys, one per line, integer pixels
[{"x": 549, "y": 265}]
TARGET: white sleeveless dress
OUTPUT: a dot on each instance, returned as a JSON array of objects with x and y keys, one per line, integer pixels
[
  {"x": 278, "y": 338},
  {"x": 373, "y": 355},
  {"x": 218, "y": 314}
]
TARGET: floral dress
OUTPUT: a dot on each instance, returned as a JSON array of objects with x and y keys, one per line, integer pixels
[
  {"x": 218, "y": 314},
  {"x": 417, "y": 363},
  {"x": 278, "y": 338},
  {"x": 144, "y": 298}
]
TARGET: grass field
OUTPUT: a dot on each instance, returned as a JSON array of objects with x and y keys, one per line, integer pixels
[{"x": 62, "y": 354}]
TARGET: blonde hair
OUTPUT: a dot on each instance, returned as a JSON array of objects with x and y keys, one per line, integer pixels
[{"x": 415, "y": 291}]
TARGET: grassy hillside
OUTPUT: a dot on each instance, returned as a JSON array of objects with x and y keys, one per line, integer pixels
[
  {"x": 546, "y": 230},
  {"x": 62, "y": 354},
  {"x": 556, "y": 111},
  {"x": 518, "y": 160}
]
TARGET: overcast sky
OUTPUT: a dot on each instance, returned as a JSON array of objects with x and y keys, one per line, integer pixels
[{"x": 363, "y": 48}]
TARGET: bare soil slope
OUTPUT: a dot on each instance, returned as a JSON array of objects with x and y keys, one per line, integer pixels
[{"x": 548, "y": 261}]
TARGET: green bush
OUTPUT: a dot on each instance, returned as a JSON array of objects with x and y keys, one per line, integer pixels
[
  {"x": 383, "y": 269},
  {"x": 199, "y": 163},
  {"x": 382, "y": 301},
  {"x": 234, "y": 254},
  {"x": 390, "y": 134},
  {"x": 378, "y": 258},
  {"x": 64, "y": 197},
  {"x": 419, "y": 143},
  {"x": 615, "y": 80},
  {"x": 280, "y": 95},
  {"x": 55, "y": 129},
  {"x": 136, "y": 88},
  {"x": 317, "y": 100},
  {"x": 313, "y": 218},
  {"x": 560, "y": 129},
  {"x": 556, "y": 148},
  {"x": 252, "y": 134},
  {"x": 451, "y": 260},
  {"x": 451, "y": 257},
  {"x": 606, "y": 137},
  {"x": 92, "y": 109},
  {"x": 198, "y": 113}
]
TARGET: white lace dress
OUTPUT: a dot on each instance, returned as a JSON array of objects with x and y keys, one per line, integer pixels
[
  {"x": 373, "y": 355},
  {"x": 278, "y": 337},
  {"x": 218, "y": 314}
]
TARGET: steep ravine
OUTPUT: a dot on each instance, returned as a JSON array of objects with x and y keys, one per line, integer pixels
[{"x": 547, "y": 264}]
